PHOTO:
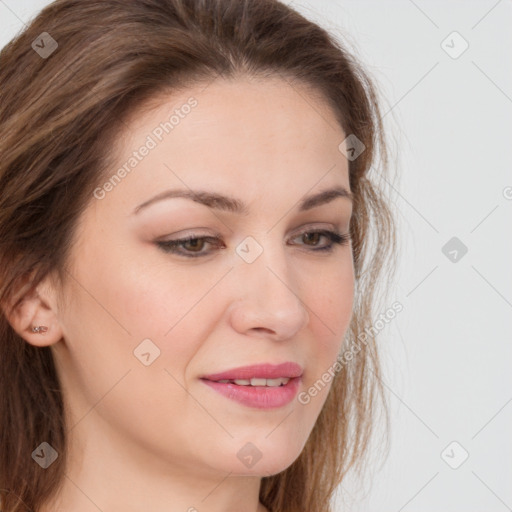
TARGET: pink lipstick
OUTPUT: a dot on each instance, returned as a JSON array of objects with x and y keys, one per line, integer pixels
[{"x": 262, "y": 386}]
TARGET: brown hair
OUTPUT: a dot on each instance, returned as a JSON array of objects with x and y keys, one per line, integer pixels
[{"x": 59, "y": 116}]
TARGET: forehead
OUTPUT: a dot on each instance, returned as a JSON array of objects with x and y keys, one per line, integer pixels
[
  {"x": 251, "y": 111},
  {"x": 235, "y": 134}
]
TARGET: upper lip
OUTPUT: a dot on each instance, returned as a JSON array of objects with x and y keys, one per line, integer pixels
[{"x": 261, "y": 371}]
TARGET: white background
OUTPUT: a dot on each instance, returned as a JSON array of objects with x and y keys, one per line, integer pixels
[{"x": 447, "y": 355}]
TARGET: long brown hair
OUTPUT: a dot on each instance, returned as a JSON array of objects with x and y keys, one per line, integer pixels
[{"x": 59, "y": 115}]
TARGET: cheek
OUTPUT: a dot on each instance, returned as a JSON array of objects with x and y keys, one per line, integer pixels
[
  {"x": 330, "y": 301},
  {"x": 118, "y": 299},
  {"x": 152, "y": 293},
  {"x": 330, "y": 304},
  {"x": 102, "y": 368},
  {"x": 177, "y": 308}
]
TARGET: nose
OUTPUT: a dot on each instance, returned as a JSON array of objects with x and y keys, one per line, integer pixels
[{"x": 268, "y": 303}]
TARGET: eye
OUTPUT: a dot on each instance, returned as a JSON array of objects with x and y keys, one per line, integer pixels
[
  {"x": 333, "y": 237},
  {"x": 191, "y": 244}
]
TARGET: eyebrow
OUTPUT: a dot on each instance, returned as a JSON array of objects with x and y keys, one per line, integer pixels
[{"x": 233, "y": 205}]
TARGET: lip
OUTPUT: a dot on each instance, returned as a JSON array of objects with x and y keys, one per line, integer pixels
[
  {"x": 262, "y": 371},
  {"x": 258, "y": 397}
]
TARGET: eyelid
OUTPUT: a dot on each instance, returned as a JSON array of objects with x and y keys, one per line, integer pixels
[
  {"x": 196, "y": 233},
  {"x": 333, "y": 235},
  {"x": 189, "y": 233},
  {"x": 318, "y": 226}
]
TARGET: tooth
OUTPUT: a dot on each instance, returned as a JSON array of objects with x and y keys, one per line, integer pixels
[
  {"x": 281, "y": 381},
  {"x": 277, "y": 382},
  {"x": 258, "y": 382},
  {"x": 242, "y": 382}
]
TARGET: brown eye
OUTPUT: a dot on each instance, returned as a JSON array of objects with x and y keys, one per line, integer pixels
[
  {"x": 313, "y": 236},
  {"x": 191, "y": 246},
  {"x": 195, "y": 244}
]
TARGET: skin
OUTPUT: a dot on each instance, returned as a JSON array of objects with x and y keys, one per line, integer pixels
[{"x": 156, "y": 437}]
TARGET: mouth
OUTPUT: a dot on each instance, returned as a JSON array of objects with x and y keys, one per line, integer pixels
[
  {"x": 273, "y": 383},
  {"x": 259, "y": 386},
  {"x": 265, "y": 374}
]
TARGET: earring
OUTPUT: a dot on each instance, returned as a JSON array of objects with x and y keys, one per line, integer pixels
[{"x": 40, "y": 329}]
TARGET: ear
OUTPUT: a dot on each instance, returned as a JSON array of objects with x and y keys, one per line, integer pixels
[{"x": 35, "y": 306}]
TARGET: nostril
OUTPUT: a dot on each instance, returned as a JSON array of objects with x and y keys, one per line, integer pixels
[{"x": 264, "y": 330}]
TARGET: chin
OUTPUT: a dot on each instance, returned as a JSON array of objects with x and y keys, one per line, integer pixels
[
  {"x": 265, "y": 468},
  {"x": 263, "y": 458}
]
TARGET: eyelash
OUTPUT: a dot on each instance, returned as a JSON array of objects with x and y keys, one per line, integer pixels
[{"x": 172, "y": 246}]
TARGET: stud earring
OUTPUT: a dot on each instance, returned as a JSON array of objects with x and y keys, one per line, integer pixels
[{"x": 40, "y": 329}]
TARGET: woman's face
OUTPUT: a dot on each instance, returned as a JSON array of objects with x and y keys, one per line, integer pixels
[{"x": 144, "y": 322}]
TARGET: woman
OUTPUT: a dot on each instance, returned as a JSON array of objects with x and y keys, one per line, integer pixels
[{"x": 185, "y": 221}]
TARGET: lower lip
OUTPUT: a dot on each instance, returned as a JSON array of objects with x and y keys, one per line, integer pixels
[{"x": 259, "y": 397}]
